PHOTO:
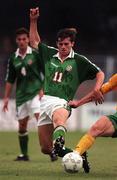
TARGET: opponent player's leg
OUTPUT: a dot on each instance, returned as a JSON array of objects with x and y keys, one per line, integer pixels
[
  {"x": 102, "y": 127},
  {"x": 45, "y": 133},
  {"x": 23, "y": 140}
]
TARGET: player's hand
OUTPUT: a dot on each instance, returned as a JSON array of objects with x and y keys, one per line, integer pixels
[
  {"x": 73, "y": 104},
  {"x": 97, "y": 96},
  {"x": 5, "y": 106},
  {"x": 41, "y": 93},
  {"x": 34, "y": 13}
]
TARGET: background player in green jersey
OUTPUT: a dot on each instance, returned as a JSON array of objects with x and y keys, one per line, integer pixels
[
  {"x": 65, "y": 70},
  {"x": 24, "y": 69}
]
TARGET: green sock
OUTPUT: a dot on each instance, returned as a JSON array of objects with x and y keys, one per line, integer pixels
[
  {"x": 64, "y": 151},
  {"x": 59, "y": 131},
  {"x": 23, "y": 142}
]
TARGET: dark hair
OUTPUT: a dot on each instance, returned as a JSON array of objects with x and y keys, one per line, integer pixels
[
  {"x": 67, "y": 32},
  {"x": 22, "y": 31}
]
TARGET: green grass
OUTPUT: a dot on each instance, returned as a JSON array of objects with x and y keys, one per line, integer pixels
[{"x": 102, "y": 157}]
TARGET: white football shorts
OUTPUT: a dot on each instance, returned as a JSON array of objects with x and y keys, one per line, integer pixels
[
  {"x": 48, "y": 105},
  {"x": 29, "y": 108}
]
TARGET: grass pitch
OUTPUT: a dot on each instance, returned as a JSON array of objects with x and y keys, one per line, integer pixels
[{"x": 102, "y": 156}]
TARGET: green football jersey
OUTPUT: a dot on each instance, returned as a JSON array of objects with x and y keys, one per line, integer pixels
[
  {"x": 26, "y": 73},
  {"x": 63, "y": 79}
]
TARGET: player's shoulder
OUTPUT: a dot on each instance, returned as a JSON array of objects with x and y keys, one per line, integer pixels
[
  {"x": 53, "y": 48},
  {"x": 47, "y": 47},
  {"x": 78, "y": 56},
  {"x": 12, "y": 56}
]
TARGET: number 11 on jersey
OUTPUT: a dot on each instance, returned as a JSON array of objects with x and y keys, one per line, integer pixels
[{"x": 58, "y": 77}]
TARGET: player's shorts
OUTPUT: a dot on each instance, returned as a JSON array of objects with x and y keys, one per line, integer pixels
[
  {"x": 29, "y": 108},
  {"x": 113, "y": 119},
  {"x": 48, "y": 105}
]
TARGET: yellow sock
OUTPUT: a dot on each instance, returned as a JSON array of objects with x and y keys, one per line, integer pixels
[{"x": 85, "y": 143}]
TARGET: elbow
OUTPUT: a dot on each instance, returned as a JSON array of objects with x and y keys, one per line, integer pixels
[{"x": 101, "y": 75}]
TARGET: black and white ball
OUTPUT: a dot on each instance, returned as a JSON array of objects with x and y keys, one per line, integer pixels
[{"x": 72, "y": 162}]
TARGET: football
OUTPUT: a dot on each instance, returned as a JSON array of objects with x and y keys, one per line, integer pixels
[{"x": 72, "y": 162}]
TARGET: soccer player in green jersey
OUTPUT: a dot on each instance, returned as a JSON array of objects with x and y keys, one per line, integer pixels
[
  {"x": 65, "y": 70},
  {"x": 24, "y": 68}
]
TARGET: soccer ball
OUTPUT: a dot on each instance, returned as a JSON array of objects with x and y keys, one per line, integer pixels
[{"x": 72, "y": 162}]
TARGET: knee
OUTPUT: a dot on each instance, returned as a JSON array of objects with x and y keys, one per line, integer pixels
[
  {"x": 95, "y": 131},
  {"x": 22, "y": 127},
  {"x": 60, "y": 117},
  {"x": 59, "y": 122},
  {"x": 23, "y": 124}
]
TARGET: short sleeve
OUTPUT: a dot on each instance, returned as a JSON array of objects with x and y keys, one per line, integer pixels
[
  {"x": 11, "y": 73},
  {"x": 87, "y": 70},
  {"x": 91, "y": 70},
  {"x": 46, "y": 52}
]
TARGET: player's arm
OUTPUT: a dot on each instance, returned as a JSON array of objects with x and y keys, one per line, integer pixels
[
  {"x": 110, "y": 85},
  {"x": 106, "y": 87},
  {"x": 10, "y": 79},
  {"x": 34, "y": 35},
  {"x": 84, "y": 100},
  {"x": 8, "y": 89},
  {"x": 97, "y": 94}
]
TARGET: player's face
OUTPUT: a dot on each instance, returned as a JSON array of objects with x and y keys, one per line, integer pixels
[
  {"x": 64, "y": 46},
  {"x": 22, "y": 41}
]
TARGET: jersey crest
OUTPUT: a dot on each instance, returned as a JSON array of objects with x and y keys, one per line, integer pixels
[{"x": 69, "y": 68}]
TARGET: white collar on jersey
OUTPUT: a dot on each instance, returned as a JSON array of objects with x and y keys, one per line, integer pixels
[
  {"x": 28, "y": 51},
  {"x": 71, "y": 55}
]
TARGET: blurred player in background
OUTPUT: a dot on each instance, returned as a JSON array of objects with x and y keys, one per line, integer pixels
[
  {"x": 106, "y": 126},
  {"x": 24, "y": 68},
  {"x": 65, "y": 70}
]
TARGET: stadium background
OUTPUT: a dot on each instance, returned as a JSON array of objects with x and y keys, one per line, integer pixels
[{"x": 96, "y": 22}]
